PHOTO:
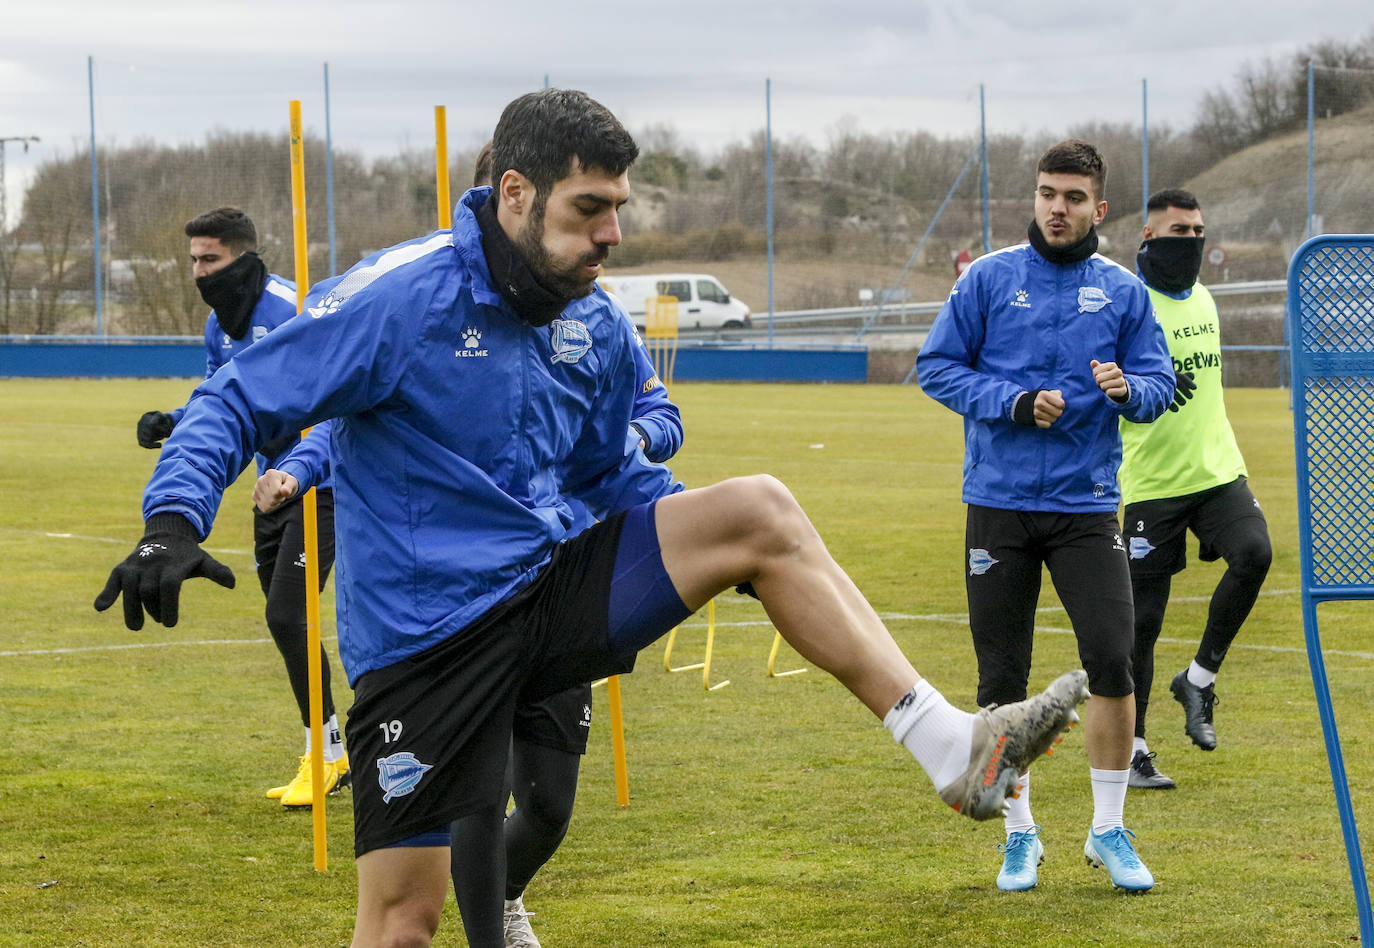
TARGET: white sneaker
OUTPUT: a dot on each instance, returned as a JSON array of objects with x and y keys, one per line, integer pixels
[{"x": 518, "y": 931}]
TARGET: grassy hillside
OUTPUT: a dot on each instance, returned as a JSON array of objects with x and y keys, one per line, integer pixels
[{"x": 1255, "y": 203}]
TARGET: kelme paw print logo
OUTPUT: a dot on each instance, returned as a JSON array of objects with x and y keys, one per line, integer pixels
[{"x": 472, "y": 343}]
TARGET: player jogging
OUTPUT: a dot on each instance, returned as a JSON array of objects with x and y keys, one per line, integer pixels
[{"x": 1185, "y": 472}]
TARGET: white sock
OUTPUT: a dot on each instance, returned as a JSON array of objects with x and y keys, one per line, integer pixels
[
  {"x": 1018, "y": 818},
  {"x": 1138, "y": 746},
  {"x": 333, "y": 743},
  {"x": 1109, "y": 798},
  {"x": 1200, "y": 677},
  {"x": 938, "y": 734}
]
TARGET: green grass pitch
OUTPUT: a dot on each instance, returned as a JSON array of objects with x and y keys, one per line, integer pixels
[{"x": 772, "y": 812}]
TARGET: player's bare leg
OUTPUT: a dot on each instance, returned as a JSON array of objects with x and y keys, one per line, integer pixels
[
  {"x": 751, "y": 529},
  {"x": 401, "y": 893}
]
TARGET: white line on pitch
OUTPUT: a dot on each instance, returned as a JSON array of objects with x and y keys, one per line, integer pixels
[{"x": 225, "y": 551}]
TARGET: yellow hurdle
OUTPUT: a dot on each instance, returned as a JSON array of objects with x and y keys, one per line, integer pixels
[
  {"x": 660, "y": 335},
  {"x": 773, "y": 657},
  {"x": 705, "y": 664},
  {"x": 314, "y": 672}
]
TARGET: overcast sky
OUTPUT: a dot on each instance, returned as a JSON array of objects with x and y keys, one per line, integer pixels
[{"x": 173, "y": 72}]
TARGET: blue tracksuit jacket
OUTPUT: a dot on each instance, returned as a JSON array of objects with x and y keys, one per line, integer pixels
[
  {"x": 654, "y": 412},
  {"x": 1015, "y": 322},
  {"x": 276, "y": 305},
  {"x": 458, "y": 432}
]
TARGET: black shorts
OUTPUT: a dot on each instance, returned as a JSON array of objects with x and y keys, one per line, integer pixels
[
  {"x": 562, "y": 721},
  {"x": 279, "y": 541},
  {"x": 1087, "y": 563},
  {"x": 428, "y": 736},
  {"x": 1156, "y": 530}
]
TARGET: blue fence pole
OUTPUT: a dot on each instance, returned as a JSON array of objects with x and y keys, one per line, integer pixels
[
  {"x": 1311, "y": 153},
  {"x": 1144, "y": 152},
  {"x": 983, "y": 157},
  {"x": 768, "y": 188},
  {"x": 95, "y": 200},
  {"x": 329, "y": 173}
]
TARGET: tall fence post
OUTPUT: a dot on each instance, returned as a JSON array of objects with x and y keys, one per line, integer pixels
[
  {"x": 983, "y": 158},
  {"x": 1144, "y": 152},
  {"x": 95, "y": 201}
]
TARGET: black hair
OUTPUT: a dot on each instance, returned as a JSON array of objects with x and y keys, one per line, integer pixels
[
  {"x": 1075, "y": 156},
  {"x": 1172, "y": 197},
  {"x": 541, "y": 133},
  {"x": 229, "y": 225}
]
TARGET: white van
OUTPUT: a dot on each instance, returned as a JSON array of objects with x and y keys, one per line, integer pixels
[{"x": 702, "y": 303}]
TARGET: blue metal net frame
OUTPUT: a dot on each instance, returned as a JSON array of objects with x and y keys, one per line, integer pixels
[{"x": 1331, "y": 331}]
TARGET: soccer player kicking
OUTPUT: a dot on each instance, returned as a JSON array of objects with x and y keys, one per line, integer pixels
[
  {"x": 1184, "y": 472},
  {"x": 1042, "y": 347},
  {"x": 477, "y": 378},
  {"x": 493, "y": 852}
]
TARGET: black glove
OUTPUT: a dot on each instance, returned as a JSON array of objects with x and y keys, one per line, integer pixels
[
  {"x": 153, "y": 427},
  {"x": 1183, "y": 390},
  {"x": 151, "y": 576},
  {"x": 1023, "y": 411}
]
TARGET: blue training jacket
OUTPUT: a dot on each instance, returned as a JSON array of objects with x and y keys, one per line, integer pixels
[
  {"x": 1016, "y": 322},
  {"x": 458, "y": 433},
  {"x": 275, "y": 306},
  {"x": 654, "y": 412}
]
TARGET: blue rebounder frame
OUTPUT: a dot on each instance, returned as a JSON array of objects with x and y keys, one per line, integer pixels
[{"x": 1331, "y": 332}]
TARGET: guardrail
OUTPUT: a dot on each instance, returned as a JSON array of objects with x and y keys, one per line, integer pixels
[
  {"x": 846, "y": 324},
  {"x": 897, "y": 317}
]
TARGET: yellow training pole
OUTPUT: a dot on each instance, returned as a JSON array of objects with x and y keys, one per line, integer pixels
[
  {"x": 622, "y": 779},
  {"x": 441, "y": 167},
  {"x": 312, "y": 557}
]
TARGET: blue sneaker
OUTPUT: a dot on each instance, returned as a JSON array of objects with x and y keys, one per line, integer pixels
[
  {"x": 1023, "y": 853},
  {"x": 1113, "y": 850}
]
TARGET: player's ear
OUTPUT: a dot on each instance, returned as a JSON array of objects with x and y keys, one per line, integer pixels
[{"x": 516, "y": 192}]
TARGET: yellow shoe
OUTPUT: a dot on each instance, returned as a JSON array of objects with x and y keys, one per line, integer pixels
[
  {"x": 302, "y": 773},
  {"x": 300, "y": 791}
]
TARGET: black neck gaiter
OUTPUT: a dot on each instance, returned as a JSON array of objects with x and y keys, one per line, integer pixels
[
  {"x": 233, "y": 292},
  {"x": 1170, "y": 264},
  {"x": 1081, "y": 249},
  {"x": 535, "y": 303}
]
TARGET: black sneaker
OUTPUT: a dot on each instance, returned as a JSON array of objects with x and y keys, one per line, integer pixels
[
  {"x": 1197, "y": 710},
  {"x": 1144, "y": 774}
]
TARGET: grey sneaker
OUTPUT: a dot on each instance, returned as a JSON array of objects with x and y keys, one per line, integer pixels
[
  {"x": 1197, "y": 710},
  {"x": 1007, "y": 738},
  {"x": 1144, "y": 774},
  {"x": 518, "y": 931}
]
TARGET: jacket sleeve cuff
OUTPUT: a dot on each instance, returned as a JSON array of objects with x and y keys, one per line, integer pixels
[
  {"x": 302, "y": 472},
  {"x": 644, "y": 435},
  {"x": 1130, "y": 400}
]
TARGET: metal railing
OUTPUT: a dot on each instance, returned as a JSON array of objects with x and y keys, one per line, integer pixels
[{"x": 905, "y": 317}]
